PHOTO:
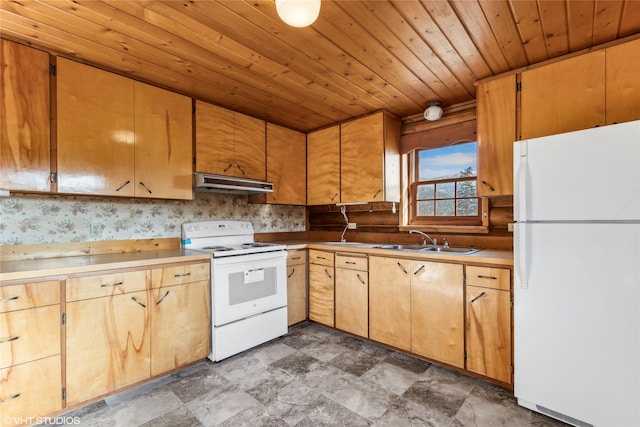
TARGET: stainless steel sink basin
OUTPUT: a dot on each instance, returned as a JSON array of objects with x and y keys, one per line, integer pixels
[
  {"x": 451, "y": 249},
  {"x": 419, "y": 248},
  {"x": 401, "y": 247}
]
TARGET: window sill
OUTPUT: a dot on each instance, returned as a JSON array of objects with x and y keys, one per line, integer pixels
[{"x": 463, "y": 229}]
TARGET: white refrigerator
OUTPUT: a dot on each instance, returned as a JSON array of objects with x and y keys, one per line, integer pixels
[{"x": 577, "y": 275}]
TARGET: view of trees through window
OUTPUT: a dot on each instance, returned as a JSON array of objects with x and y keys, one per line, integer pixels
[{"x": 447, "y": 182}]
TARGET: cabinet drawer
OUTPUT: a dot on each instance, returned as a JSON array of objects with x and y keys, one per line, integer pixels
[
  {"x": 180, "y": 274},
  {"x": 352, "y": 262},
  {"x": 27, "y": 335},
  {"x": 80, "y": 288},
  {"x": 296, "y": 257},
  {"x": 321, "y": 257},
  {"x": 30, "y": 390},
  {"x": 487, "y": 277},
  {"x": 29, "y": 295}
]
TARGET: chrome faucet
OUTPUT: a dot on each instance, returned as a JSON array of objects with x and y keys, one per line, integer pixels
[{"x": 425, "y": 236}]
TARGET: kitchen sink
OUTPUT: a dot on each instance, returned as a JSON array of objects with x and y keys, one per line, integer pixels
[
  {"x": 402, "y": 247},
  {"x": 441, "y": 249}
]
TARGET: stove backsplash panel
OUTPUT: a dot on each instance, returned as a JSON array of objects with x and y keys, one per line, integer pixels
[{"x": 35, "y": 219}]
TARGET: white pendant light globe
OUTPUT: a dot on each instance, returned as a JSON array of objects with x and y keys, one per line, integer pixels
[
  {"x": 433, "y": 111},
  {"x": 298, "y": 13}
]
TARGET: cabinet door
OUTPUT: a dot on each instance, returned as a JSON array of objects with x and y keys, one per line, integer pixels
[
  {"x": 30, "y": 390},
  {"x": 390, "y": 301},
  {"x": 323, "y": 166},
  {"x": 296, "y": 293},
  {"x": 352, "y": 301},
  {"x": 496, "y": 107},
  {"x": 623, "y": 90},
  {"x": 321, "y": 294},
  {"x": 286, "y": 166},
  {"x": 180, "y": 325},
  {"x": 249, "y": 147},
  {"x": 108, "y": 344},
  {"x": 95, "y": 131},
  {"x": 488, "y": 328},
  {"x": 564, "y": 96},
  {"x": 437, "y": 318},
  {"x": 24, "y": 118},
  {"x": 163, "y": 148},
  {"x": 362, "y": 159},
  {"x": 214, "y": 139}
]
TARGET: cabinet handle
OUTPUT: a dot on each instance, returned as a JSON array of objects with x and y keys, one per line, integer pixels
[
  {"x": 9, "y": 339},
  {"x": 377, "y": 192},
  {"x": 145, "y": 187},
  {"x": 228, "y": 167},
  {"x": 488, "y": 185},
  {"x": 334, "y": 196},
  {"x": 402, "y": 268},
  {"x": 15, "y": 396},
  {"x": 292, "y": 271},
  {"x": 360, "y": 278},
  {"x": 138, "y": 302},
  {"x": 10, "y": 298},
  {"x": 161, "y": 299},
  {"x": 295, "y": 258},
  {"x": 182, "y": 275},
  {"x": 418, "y": 270},
  {"x": 123, "y": 185},
  {"x": 328, "y": 275},
  {"x": 478, "y": 297},
  {"x": 350, "y": 262},
  {"x": 241, "y": 170},
  {"x": 108, "y": 285},
  {"x": 320, "y": 257},
  {"x": 488, "y": 277}
]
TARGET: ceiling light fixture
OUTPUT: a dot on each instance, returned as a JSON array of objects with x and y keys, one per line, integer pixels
[
  {"x": 433, "y": 111},
  {"x": 298, "y": 13}
]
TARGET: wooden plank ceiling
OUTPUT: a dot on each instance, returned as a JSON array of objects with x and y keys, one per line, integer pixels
[{"x": 358, "y": 57}]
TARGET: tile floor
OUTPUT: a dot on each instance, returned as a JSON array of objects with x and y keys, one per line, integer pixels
[{"x": 314, "y": 376}]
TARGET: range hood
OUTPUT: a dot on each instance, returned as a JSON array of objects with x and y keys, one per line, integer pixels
[{"x": 230, "y": 184}]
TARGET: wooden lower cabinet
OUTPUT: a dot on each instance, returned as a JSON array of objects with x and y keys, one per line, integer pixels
[
  {"x": 108, "y": 344},
  {"x": 437, "y": 311},
  {"x": 30, "y": 351},
  {"x": 488, "y": 322},
  {"x": 30, "y": 390},
  {"x": 352, "y": 295},
  {"x": 390, "y": 301},
  {"x": 321, "y": 287},
  {"x": 180, "y": 325},
  {"x": 296, "y": 286}
]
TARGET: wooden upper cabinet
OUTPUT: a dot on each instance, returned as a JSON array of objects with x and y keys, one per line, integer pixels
[
  {"x": 370, "y": 160},
  {"x": 24, "y": 118},
  {"x": 286, "y": 167},
  {"x": 496, "y": 115},
  {"x": 120, "y": 137},
  {"x": 163, "y": 143},
  {"x": 622, "y": 83},
  {"x": 95, "y": 131},
  {"x": 323, "y": 166},
  {"x": 564, "y": 96},
  {"x": 229, "y": 143}
]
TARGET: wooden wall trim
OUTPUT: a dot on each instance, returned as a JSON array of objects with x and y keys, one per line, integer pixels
[{"x": 439, "y": 137}]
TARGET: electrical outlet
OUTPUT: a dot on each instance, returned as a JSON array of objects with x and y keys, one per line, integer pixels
[
  {"x": 95, "y": 229},
  {"x": 352, "y": 226}
]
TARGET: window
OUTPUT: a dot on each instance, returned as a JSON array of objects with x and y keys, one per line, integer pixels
[{"x": 444, "y": 189}]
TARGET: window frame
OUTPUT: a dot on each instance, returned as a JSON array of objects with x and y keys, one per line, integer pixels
[{"x": 414, "y": 219}]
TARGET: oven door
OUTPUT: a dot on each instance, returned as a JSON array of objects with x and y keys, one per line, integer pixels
[{"x": 246, "y": 285}]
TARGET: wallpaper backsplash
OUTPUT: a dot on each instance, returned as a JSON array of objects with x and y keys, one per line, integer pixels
[{"x": 33, "y": 219}]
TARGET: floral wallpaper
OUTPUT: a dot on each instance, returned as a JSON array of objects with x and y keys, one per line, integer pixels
[{"x": 34, "y": 219}]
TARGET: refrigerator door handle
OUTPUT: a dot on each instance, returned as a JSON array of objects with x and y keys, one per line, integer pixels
[
  {"x": 521, "y": 203},
  {"x": 521, "y": 264}
]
